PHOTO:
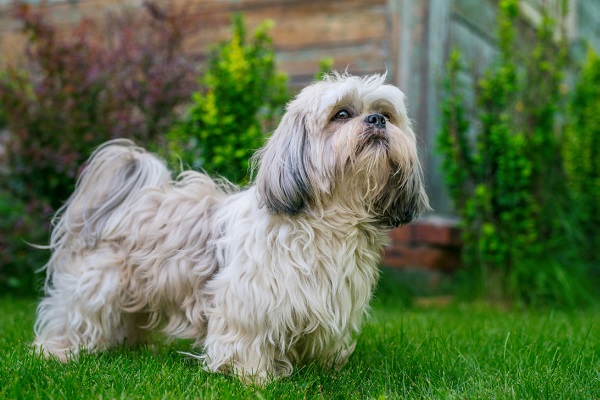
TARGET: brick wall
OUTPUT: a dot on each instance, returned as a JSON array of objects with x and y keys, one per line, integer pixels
[
  {"x": 429, "y": 244},
  {"x": 426, "y": 254}
]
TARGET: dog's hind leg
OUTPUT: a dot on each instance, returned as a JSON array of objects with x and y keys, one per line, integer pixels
[{"x": 82, "y": 309}]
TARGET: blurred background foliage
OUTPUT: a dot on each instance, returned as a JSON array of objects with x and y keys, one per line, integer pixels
[
  {"x": 581, "y": 155},
  {"x": 240, "y": 100},
  {"x": 514, "y": 163},
  {"x": 519, "y": 159}
]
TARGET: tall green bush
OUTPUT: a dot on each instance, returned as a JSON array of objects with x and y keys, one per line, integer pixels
[
  {"x": 582, "y": 155},
  {"x": 504, "y": 172},
  {"x": 241, "y": 96}
]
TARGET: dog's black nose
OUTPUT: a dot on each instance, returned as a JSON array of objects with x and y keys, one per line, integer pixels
[{"x": 376, "y": 119}]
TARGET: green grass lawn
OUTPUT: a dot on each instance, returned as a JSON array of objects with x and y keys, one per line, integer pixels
[{"x": 458, "y": 351}]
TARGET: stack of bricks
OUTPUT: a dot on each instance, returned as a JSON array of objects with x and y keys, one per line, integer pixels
[{"x": 431, "y": 244}]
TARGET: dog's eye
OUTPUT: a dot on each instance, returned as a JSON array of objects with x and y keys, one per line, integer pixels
[
  {"x": 342, "y": 114},
  {"x": 387, "y": 116}
]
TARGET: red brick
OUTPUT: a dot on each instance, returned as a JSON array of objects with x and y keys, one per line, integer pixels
[
  {"x": 394, "y": 260},
  {"x": 430, "y": 244},
  {"x": 422, "y": 257},
  {"x": 437, "y": 231},
  {"x": 399, "y": 255},
  {"x": 436, "y": 258},
  {"x": 403, "y": 234}
]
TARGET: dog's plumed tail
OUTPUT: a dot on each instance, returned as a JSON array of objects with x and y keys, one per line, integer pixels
[
  {"x": 112, "y": 177},
  {"x": 78, "y": 280}
]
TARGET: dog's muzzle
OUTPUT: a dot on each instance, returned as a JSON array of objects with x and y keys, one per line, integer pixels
[
  {"x": 375, "y": 130},
  {"x": 376, "y": 120}
]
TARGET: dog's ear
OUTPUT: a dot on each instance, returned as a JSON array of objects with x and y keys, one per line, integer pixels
[
  {"x": 404, "y": 200},
  {"x": 283, "y": 181}
]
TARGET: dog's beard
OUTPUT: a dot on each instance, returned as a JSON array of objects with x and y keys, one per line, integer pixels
[
  {"x": 370, "y": 166},
  {"x": 373, "y": 140},
  {"x": 362, "y": 166},
  {"x": 365, "y": 156}
]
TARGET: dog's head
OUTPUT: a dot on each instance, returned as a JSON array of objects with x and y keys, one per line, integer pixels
[{"x": 345, "y": 142}]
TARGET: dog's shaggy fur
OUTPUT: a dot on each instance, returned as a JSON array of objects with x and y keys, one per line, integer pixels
[{"x": 263, "y": 278}]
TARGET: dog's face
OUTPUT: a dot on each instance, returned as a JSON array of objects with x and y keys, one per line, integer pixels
[{"x": 344, "y": 142}]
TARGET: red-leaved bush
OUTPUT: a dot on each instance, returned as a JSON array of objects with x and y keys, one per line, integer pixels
[{"x": 121, "y": 76}]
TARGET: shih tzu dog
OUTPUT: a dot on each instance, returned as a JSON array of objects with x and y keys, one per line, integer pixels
[{"x": 263, "y": 278}]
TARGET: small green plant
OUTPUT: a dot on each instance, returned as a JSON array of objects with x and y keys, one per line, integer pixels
[
  {"x": 504, "y": 171},
  {"x": 325, "y": 67},
  {"x": 241, "y": 96},
  {"x": 581, "y": 151}
]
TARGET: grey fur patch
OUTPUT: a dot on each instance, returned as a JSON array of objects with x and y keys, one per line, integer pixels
[
  {"x": 404, "y": 201},
  {"x": 283, "y": 180}
]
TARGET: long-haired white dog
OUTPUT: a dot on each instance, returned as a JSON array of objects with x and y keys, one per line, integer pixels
[{"x": 262, "y": 279}]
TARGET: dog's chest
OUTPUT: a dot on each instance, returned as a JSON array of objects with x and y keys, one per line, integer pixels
[{"x": 332, "y": 280}]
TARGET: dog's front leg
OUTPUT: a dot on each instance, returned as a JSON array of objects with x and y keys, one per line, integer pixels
[
  {"x": 344, "y": 350},
  {"x": 241, "y": 350}
]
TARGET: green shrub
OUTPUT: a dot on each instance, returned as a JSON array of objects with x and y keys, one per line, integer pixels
[
  {"x": 582, "y": 154},
  {"x": 325, "y": 67},
  {"x": 240, "y": 99},
  {"x": 504, "y": 170}
]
